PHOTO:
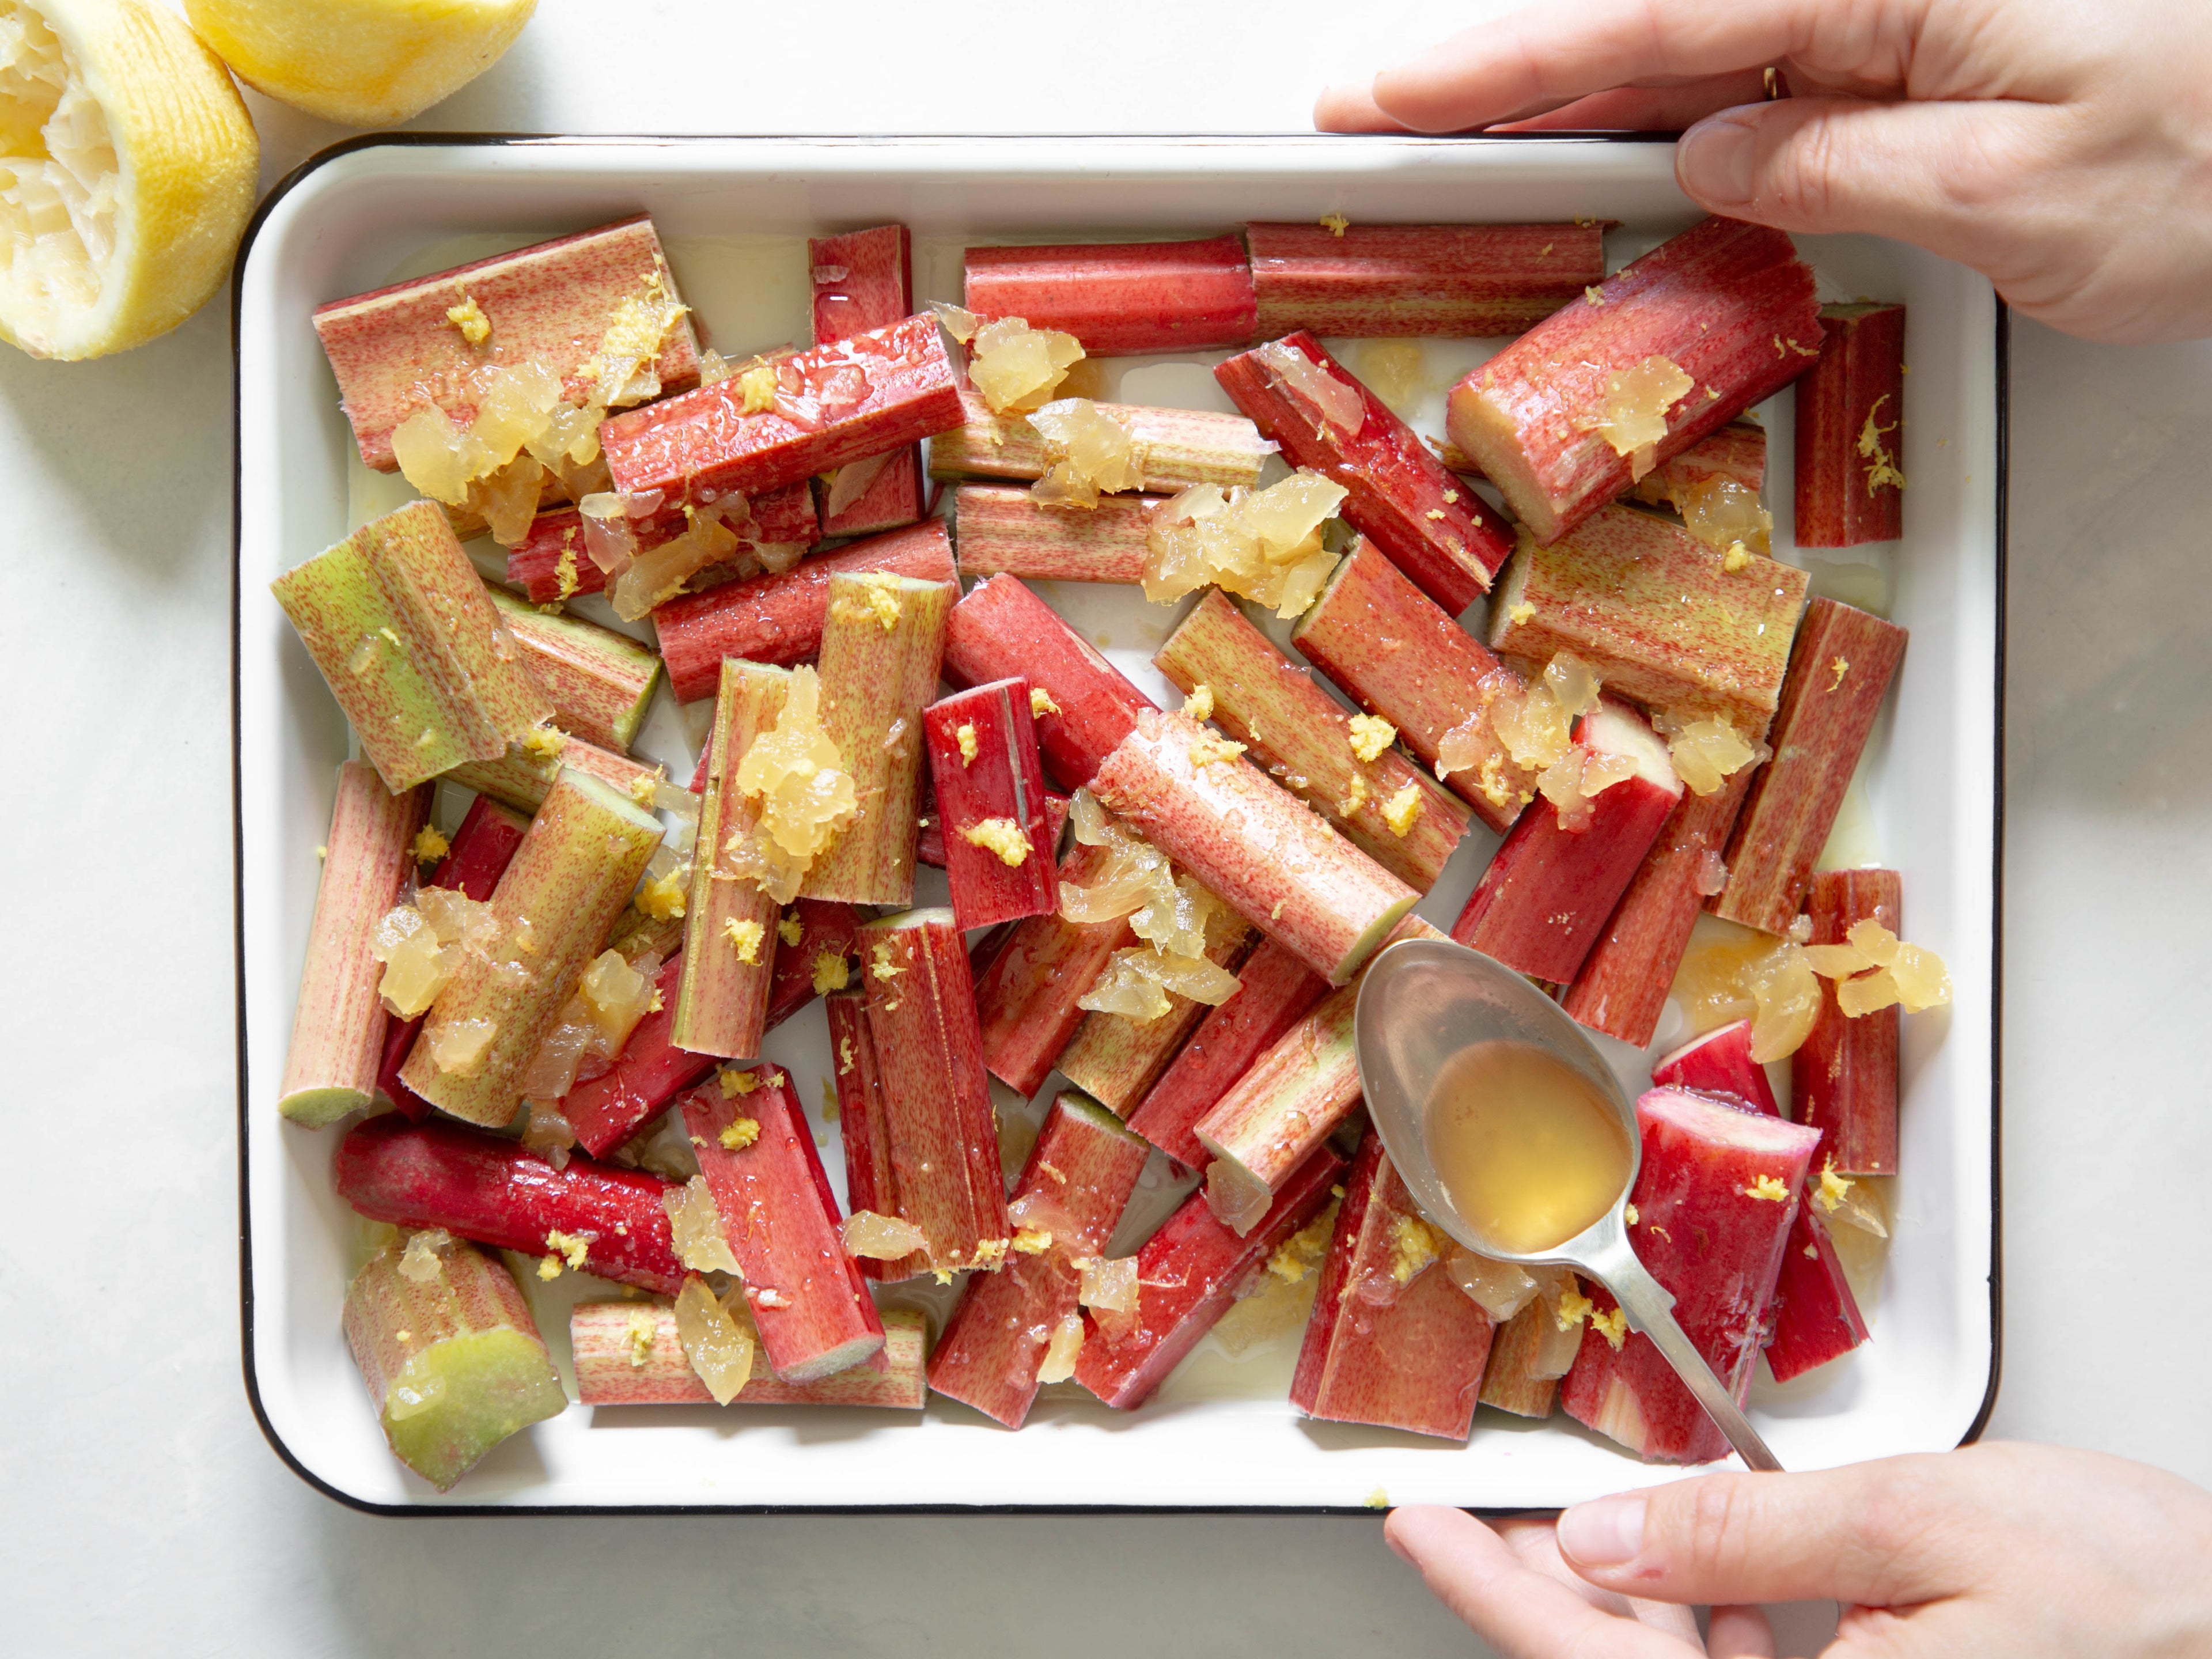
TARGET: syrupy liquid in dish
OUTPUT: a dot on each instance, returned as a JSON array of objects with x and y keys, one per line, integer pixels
[{"x": 1530, "y": 1151}]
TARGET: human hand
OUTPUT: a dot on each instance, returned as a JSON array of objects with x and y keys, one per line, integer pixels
[
  {"x": 2062, "y": 148},
  {"x": 2035, "y": 1552}
]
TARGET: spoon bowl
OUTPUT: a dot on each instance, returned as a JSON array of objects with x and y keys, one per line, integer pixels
[{"x": 1425, "y": 1001}]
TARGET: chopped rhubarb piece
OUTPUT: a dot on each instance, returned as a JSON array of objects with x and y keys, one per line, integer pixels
[
  {"x": 1843, "y": 1080},
  {"x": 522, "y": 779},
  {"x": 781, "y": 1221},
  {"x": 882, "y": 648},
  {"x": 1277, "y": 989},
  {"x": 551, "y": 562},
  {"x": 412, "y": 647},
  {"x": 453, "y": 1360},
  {"x": 1003, "y": 529},
  {"x": 1026, "y": 998},
  {"x": 1070, "y": 1196},
  {"x": 1298, "y": 1091},
  {"x": 1714, "y": 485},
  {"x": 939, "y": 1123},
  {"x": 608, "y": 1110},
  {"x": 871, "y": 1177},
  {"x": 837, "y": 402},
  {"x": 730, "y": 943},
  {"x": 998, "y": 839},
  {"x": 1120, "y": 299},
  {"x": 1083, "y": 705},
  {"x": 1297, "y": 732},
  {"x": 1850, "y": 405},
  {"x": 1840, "y": 671},
  {"x": 778, "y": 618},
  {"x": 628, "y": 1353},
  {"x": 929, "y": 846},
  {"x": 1393, "y": 1342},
  {"x": 1398, "y": 655},
  {"x": 1622, "y": 988},
  {"x": 1188, "y": 1275},
  {"x": 479, "y": 853},
  {"x": 568, "y": 881},
  {"x": 1714, "y": 1201},
  {"x": 1174, "y": 448},
  {"x": 1430, "y": 523},
  {"x": 819, "y": 960},
  {"x": 498, "y": 1193},
  {"x": 1116, "y": 1059},
  {"x": 864, "y": 280},
  {"x": 551, "y": 304},
  {"x": 1247, "y": 839},
  {"x": 1652, "y": 359},
  {"x": 599, "y": 681},
  {"x": 338, "y": 1024},
  {"x": 1719, "y": 1062},
  {"x": 1519, "y": 1378},
  {"x": 1542, "y": 905},
  {"x": 1656, "y": 614},
  {"x": 1458, "y": 281}
]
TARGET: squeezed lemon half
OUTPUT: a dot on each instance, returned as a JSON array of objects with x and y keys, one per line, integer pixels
[
  {"x": 128, "y": 168},
  {"x": 365, "y": 63}
]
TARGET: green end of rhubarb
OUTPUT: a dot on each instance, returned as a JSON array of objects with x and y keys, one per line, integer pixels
[
  {"x": 522, "y": 781},
  {"x": 1077, "y": 1104},
  {"x": 1371, "y": 941},
  {"x": 318, "y": 1108},
  {"x": 400, "y": 624},
  {"x": 598, "y": 679}
]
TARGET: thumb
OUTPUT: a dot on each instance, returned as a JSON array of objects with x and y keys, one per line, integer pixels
[
  {"x": 1944, "y": 175},
  {"x": 1886, "y": 1534}
]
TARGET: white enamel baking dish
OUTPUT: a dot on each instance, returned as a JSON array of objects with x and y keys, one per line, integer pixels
[{"x": 1221, "y": 1434}]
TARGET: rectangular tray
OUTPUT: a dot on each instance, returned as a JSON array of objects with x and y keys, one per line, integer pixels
[{"x": 1220, "y": 1436}]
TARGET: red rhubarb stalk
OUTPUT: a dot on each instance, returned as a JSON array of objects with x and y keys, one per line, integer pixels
[
  {"x": 1070, "y": 1193},
  {"x": 1175, "y": 447},
  {"x": 338, "y": 1023},
  {"x": 572, "y": 876},
  {"x": 500, "y": 1194},
  {"x": 1714, "y": 1201},
  {"x": 756, "y": 1154},
  {"x": 882, "y": 649},
  {"x": 998, "y": 839},
  {"x": 1843, "y": 1080},
  {"x": 1286, "y": 1104},
  {"x": 1087, "y": 706},
  {"x": 1393, "y": 1342},
  {"x": 599, "y": 681},
  {"x": 1277, "y": 989},
  {"x": 548, "y": 304},
  {"x": 837, "y": 402},
  {"x": 1430, "y": 523},
  {"x": 1116, "y": 1059},
  {"x": 550, "y": 564},
  {"x": 1652, "y": 359},
  {"x": 1003, "y": 531},
  {"x": 871, "y": 1177},
  {"x": 1656, "y": 614},
  {"x": 1458, "y": 281},
  {"x": 628, "y": 1353},
  {"x": 1850, "y": 408},
  {"x": 1542, "y": 905},
  {"x": 939, "y": 1123},
  {"x": 1025, "y": 999},
  {"x": 1623, "y": 985},
  {"x": 478, "y": 856},
  {"x": 816, "y": 961},
  {"x": 1305, "y": 740},
  {"x": 864, "y": 280},
  {"x": 730, "y": 918},
  {"x": 1397, "y": 654},
  {"x": 929, "y": 846},
  {"x": 1517, "y": 1378},
  {"x": 1122, "y": 298},
  {"x": 779, "y": 618},
  {"x": 1247, "y": 839},
  {"x": 1839, "y": 673},
  {"x": 1188, "y": 1275}
]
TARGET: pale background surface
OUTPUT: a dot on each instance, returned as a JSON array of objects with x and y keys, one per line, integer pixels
[{"x": 144, "y": 1513}]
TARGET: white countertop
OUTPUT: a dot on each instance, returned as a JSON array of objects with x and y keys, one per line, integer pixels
[{"x": 143, "y": 1510}]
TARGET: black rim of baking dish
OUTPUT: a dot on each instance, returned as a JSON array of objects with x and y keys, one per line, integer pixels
[{"x": 487, "y": 140}]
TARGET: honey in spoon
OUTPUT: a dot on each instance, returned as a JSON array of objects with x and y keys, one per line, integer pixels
[{"x": 1530, "y": 1152}]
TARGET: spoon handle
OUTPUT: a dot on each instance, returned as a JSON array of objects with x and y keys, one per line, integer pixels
[{"x": 1651, "y": 1310}]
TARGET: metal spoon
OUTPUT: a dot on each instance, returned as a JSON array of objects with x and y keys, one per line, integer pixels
[{"x": 1424, "y": 1001}]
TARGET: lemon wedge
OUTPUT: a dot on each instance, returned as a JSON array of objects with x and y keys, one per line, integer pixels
[
  {"x": 365, "y": 63},
  {"x": 128, "y": 168}
]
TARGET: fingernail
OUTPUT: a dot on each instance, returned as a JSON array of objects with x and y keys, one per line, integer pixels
[
  {"x": 1715, "y": 161},
  {"x": 1607, "y": 1533}
]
